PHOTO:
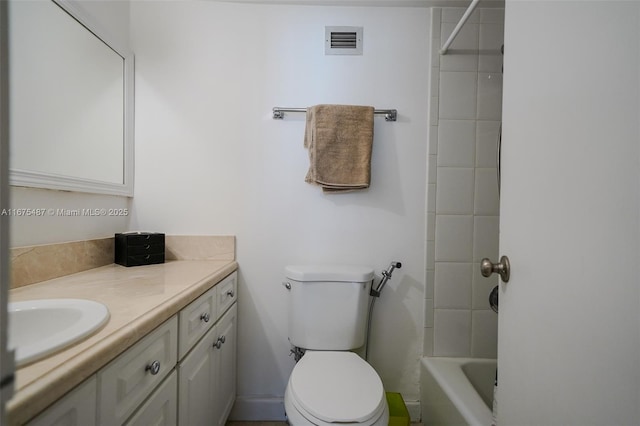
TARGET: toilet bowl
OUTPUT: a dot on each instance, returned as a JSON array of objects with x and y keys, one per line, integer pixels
[{"x": 329, "y": 387}]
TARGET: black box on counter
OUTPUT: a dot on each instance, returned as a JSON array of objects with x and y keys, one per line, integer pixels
[{"x": 139, "y": 248}]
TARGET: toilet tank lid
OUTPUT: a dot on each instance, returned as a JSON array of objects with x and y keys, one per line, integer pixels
[{"x": 341, "y": 273}]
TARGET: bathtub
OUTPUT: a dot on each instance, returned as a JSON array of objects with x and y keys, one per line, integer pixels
[{"x": 457, "y": 391}]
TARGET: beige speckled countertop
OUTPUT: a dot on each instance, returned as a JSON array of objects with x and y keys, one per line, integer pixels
[{"x": 139, "y": 299}]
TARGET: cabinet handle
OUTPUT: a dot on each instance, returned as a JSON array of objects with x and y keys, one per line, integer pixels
[
  {"x": 205, "y": 317},
  {"x": 222, "y": 339},
  {"x": 153, "y": 368},
  {"x": 217, "y": 344},
  {"x": 230, "y": 293}
]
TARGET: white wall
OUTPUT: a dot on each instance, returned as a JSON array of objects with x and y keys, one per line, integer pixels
[
  {"x": 113, "y": 17},
  {"x": 463, "y": 208},
  {"x": 211, "y": 160}
]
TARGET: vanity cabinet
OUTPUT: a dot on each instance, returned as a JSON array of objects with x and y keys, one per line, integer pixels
[
  {"x": 183, "y": 372},
  {"x": 210, "y": 370}
]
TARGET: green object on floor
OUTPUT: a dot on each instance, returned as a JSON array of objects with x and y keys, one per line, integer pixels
[{"x": 398, "y": 414}]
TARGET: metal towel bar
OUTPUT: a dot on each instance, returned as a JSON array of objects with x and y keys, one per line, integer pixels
[{"x": 389, "y": 114}]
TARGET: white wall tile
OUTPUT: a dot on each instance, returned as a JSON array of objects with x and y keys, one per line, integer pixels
[
  {"x": 433, "y": 140},
  {"x": 454, "y": 238},
  {"x": 456, "y": 143},
  {"x": 454, "y": 14},
  {"x": 463, "y": 52},
  {"x": 485, "y": 237},
  {"x": 429, "y": 291},
  {"x": 435, "y": 53},
  {"x": 427, "y": 343},
  {"x": 494, "y": 16},
  {"x": 489, "y": 96},
  {"x": 481, "y": 288},
  {"x": 435, "y": 81},
  {"x": 434, "y": 108},
  {"x": 491, "y": 37},
  {"x": 453, "y": 285},
  {"x": 431, "y": 255},
  {"x": 431, "y": 226},
  {"x": 468, "y": 87},
  {"x": 455, "y": 190},
  {"x": 432, "y": 169},
  {"x": 458, "y": 95},
  {"x": 428, "y": 312},
  {"x": 486, "y": 193},
  {"x": 487, "y": 133},
  {"x": 431, "y": 197},
  {"x": 452, "y": 332},
  {"x": 484, "y": 334},
  {"x": 436, "y": 18}
]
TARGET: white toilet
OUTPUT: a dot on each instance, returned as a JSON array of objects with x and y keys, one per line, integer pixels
[{"x": 327, "y": 318}]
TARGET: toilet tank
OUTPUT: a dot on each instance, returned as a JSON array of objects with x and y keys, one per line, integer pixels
[{"x": 328, "y": 306}]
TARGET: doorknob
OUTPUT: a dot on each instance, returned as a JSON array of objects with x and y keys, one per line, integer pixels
[{"x": 503, "y": 268}]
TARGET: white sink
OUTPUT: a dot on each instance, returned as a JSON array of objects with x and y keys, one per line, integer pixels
[{"x": 37, "y": 328}]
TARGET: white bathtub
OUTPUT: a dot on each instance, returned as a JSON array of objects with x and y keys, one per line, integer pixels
[{"x": 457, "y": 391}]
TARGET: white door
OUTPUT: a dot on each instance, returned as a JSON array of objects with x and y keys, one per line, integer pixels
[{"x": 569, "y": 323}]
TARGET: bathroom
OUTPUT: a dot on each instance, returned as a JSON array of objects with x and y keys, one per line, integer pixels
[{"x": 211, "y": 160}]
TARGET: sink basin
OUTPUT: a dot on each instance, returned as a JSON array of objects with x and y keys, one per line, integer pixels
[{"x": 38, "y": 328}]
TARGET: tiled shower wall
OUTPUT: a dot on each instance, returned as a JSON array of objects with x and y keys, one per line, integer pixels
[{"x": 463, "y": 202}]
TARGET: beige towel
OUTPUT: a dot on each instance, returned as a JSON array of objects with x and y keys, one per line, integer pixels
[{"x": 339, "y": 139}]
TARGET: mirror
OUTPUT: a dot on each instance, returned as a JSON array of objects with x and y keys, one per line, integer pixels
[{"x": 71, "y": 101}]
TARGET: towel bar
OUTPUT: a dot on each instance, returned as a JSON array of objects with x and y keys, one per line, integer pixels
[{"x": 389, "y": 114}]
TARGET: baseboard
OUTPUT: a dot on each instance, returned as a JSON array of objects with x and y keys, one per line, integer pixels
[
  {"x": 249, "y": 408},
  {"x": 413, "y": 407}
]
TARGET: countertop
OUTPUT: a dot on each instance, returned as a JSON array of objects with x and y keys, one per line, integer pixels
[{"x": 139, "y": 299}]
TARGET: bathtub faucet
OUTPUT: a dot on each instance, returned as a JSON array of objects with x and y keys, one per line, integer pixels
[{"x": 386, "y": 275}]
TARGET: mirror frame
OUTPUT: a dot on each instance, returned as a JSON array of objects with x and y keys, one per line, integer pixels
[{"x": 34, "y": 179}]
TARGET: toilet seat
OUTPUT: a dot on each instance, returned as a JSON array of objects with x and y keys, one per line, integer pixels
[{"x": 329, "y": 387}]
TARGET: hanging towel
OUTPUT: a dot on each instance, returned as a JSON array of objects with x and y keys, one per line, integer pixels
[{"x": 339, "y": 139}]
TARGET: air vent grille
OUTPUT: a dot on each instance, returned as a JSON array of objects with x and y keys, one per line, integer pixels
[{"x": 343, "y": 41}]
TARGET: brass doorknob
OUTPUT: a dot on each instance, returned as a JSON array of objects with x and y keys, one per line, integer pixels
[{"x": 503, "y": 268}]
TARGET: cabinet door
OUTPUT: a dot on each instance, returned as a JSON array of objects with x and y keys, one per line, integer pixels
[
  {"x": 225, "y": 394},
  {"x": 77, "y": 408},
  {"x": 196, "y": 382},
  {"x": 161, "y": 409}
]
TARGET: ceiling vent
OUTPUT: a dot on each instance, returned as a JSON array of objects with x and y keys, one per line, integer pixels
[{"x": 343, "y": 40}]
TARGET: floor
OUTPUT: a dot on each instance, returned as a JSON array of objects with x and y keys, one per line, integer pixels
[
  {"x": 274, "y": 424},
  {"x": 256, "y": 423}
]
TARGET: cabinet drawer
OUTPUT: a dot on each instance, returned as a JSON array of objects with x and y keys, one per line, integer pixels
[
  {"x": 144, "y": 259},
  {"x": 127, "y": 381},
  {"x": 161, "y": 409},
  {"x": 195, "y": 320},
  {"x": 227, "y": 292}
]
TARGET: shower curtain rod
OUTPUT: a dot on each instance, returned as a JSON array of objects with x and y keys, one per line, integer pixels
[
  {"x": 389, "y": 114},
  {"x": 458, "y": 27}
]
